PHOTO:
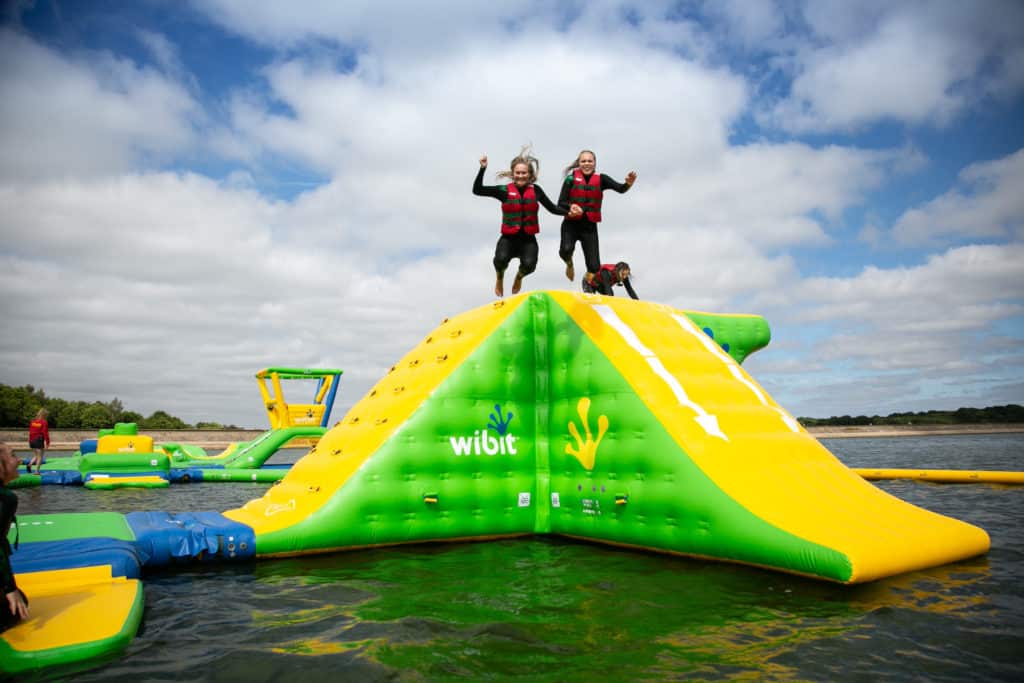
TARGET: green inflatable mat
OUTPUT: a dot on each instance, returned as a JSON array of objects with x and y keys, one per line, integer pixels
[{"x": 67, "y": 525}]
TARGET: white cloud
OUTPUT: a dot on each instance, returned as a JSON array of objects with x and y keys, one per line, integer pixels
[
  {"x": 165, "y": 54},
  {"x": 374, "y": 116},
  {"x": 962, "y": 289},
  {"x": 770, "y": 193},
  {"x": 752, "y": 23},
  {"x": 165, "y": 289},
  {"x": 398, "y": 28},
  {"x": 91, "y": 113},
  {"x": 939, "y": 335},
  {"x": 986, "y": 204},
  {"x": 913, "y": 62}
]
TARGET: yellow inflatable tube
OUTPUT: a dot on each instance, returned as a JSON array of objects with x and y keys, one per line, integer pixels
[{"x": 944, "y": 476}]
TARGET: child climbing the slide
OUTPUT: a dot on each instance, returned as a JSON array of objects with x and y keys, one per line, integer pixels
[
  {"x": 581, "y": 195},
  {"x": 519, "y": 226},
  {"x": 608, "y": 276}
]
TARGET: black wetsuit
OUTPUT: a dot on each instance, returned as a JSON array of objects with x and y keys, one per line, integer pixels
[
  {"x": 603, "y": 284},
  {"x": 8, "y": 508},
  {"x": 517, "y": 245},
  {"x": 582, "y": 229}
]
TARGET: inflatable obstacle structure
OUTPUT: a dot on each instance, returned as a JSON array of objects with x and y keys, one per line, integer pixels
[
  {"x": 241, "y": 460},
  {"x": 283, "y": 414},
  {"x": 613, "y": 420},
  {"x": 121, "y": 457},
  {"x": 81, "y": 573}
]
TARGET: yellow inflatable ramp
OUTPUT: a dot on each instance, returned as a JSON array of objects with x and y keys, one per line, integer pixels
[
  {"x": 758, "y": 456},
  {"x": 74, "y": 614},
  {"x": 614, "y": 420}
]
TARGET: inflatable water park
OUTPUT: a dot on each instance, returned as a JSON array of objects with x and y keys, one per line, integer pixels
[
  {"x": 122, "y": 457},
  {"x": 608, "y": 420}
]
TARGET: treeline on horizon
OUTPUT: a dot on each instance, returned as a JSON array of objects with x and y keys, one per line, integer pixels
[
  {"x": 1011, "y": 413},
  {"x": 19, "y": 405}
]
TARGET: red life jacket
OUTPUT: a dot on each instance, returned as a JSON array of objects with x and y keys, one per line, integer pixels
[
  {"x": 519, "y": 211},
  {"x": 587, "y": 194},
  {"x": 595, "y": 278},
  {"x": 38, "y": 429}
]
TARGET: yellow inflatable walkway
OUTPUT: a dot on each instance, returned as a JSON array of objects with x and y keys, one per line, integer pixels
[{"x": 75, "y": 614}]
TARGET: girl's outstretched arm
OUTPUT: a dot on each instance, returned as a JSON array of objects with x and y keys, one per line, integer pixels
[
  {"x": 481, "y": 190},
  {"x": 546, "y": 202},
  {"x": 609, "y": 183}
]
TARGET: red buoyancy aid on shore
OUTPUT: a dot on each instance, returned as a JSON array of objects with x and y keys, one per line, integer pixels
[
  {"x": 38, "y": 429},
  {"x": 587, "y": 194},
  {"x": 519, "y": 211}
]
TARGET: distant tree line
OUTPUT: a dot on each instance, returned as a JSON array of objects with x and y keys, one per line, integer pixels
[
  {"x": 991, "y": 415},
  {"x": 18, "y": 405}
]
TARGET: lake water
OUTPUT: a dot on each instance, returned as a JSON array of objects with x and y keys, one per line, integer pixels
[{"x": 550, "y": 609}]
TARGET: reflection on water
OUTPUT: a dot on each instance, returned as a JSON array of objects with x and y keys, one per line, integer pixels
[{"x": 551, "y": 609}]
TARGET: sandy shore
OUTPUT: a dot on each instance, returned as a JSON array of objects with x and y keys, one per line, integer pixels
[
  {"x": 68, "y": 440},
  {"x": 872, "y": 431}
]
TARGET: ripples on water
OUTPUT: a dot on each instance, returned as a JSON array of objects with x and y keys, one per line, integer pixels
[{"x": 549, "y": 609}]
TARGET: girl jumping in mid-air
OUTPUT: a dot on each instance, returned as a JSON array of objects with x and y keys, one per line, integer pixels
[
  {"x": 582, "y": 193},
  {"x": 519, "y": 225}
]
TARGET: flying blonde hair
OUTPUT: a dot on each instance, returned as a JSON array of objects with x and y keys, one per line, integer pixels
[{"x": 525, "y": 156}]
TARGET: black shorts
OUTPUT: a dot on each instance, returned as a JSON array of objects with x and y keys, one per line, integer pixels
[
  {"x": 37, "y": 443},
  {"x": 518, "y": 245}
]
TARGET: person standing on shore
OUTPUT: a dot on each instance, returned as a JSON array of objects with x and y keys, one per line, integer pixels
[
  {"x": 584, "y": 188},
  {"x": 14, "y": 604},
  {"x": 38, "y": 440}
]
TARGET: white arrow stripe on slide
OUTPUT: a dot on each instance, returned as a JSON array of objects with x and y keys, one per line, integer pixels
[
  {"x": 790, "y": 421},
  {"x": 708, "y": 422},
  {"x": 709, "y": 343},
  {"x": 734, "y": 368}
]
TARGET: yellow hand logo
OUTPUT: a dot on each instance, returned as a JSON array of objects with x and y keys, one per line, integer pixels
[{"x": 586, "y": 450}]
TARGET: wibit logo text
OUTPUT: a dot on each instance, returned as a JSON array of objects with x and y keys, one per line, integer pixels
[{"x": 483, "y": 443}]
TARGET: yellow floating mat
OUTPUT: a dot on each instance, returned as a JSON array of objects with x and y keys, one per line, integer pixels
[
  {"x": 944, "y": 476},
  {"x": 145, "y": 481},
  {"x": 74, "y": 614}
]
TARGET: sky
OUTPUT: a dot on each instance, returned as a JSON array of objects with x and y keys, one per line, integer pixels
[{"x": 193, "y": 191}]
